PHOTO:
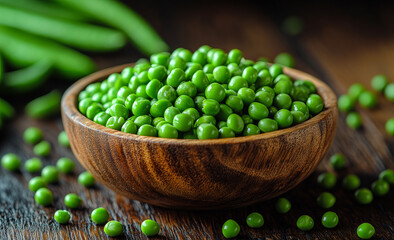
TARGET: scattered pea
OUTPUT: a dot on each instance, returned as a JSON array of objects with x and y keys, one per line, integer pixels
[
  {"x": 363, "y": 196},
  {"x": 150, "y": 228},
  {"x": 72, "y": 201},
  {"x": 62, "y": 216},
  {"x": 63, "y": 139},
  {"x": 351, "y": 182},
  {"x": 338, "y": 161},
  {"x": 42, "y": 149},
  {"x": 389, "y": 92},
  {"x": 345, "y": 103},
  {"x": 326, "y": 200},
  {"x": 37, "y": 183},
  {"x": 355, "y": 90},
  {"x": 327, "y": 180},
  {"x": 255, "y": 220},
  {"x": 305, "y": 223},
  {"x": 390, "y": 126},
  {"x": 43, "y": 196},
  {"x": 282, "y": 205},
  {"x": 330, "y": 219},
  {"x": 50, "y": 174},
  {"x": 11, "y": 162},
  {"x": 99, "y": 215},
  {"x": 65, "y": 165},
  {"x": 379, "y": 82},
  {"x": 353, "y": 120},
  {"x": 380, "y": 187},
  {"x": 86, "y": 179},
  {"x": 365, "y": 231},
  {"x": 387, "y": 175},
  {"x": 32, "y": 135},
  {"x": 113, "y": 228},
  {"x": 33, "y": 165},
  {"x": 230, "y": 229},
  {"x": 368, "y": 99},
  {"x": 285, "y": 59}
]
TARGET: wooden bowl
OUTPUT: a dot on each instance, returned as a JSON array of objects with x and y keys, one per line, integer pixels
[{"x": 200, "y": 174}]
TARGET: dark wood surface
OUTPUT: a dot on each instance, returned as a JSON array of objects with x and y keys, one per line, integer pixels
[{"x": 341, "y": 44}]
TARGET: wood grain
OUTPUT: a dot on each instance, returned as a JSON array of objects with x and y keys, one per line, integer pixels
[{"x": 254, "y": 28}]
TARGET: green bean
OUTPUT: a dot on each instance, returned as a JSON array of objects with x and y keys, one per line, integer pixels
[
  {"x": 27, "y": 79},
  {"x": 6, "y": 110},
  {"x": 75, "y": 34},
  {"x": 121, "y": 17},
  {"x": 45, "y": 8},
  {"x": 44, "y": 106},
  {"x": 21, "y": 50}
]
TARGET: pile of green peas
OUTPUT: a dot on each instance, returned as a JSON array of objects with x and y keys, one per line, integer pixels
[{"x": 207, "y": 94}]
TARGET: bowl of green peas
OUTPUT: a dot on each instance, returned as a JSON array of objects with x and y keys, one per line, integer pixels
[{"x": 200, "y": 130}]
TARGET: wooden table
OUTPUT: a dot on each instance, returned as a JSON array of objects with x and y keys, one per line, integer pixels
[{"x": 341, "y": 45}]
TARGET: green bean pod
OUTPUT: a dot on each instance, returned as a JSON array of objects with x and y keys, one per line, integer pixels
[
  {"x": 117, "y": 15},
  {"x": 6, "y": 110},
  {"x": 27, "y": 79},
  {"x": 22, "y": 49},
  {"x": 75, "y": 34},
  {"x": 46, "y": 8},
  {"x": 44, "y": 106}
]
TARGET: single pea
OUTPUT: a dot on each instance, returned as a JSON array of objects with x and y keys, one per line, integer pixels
[
  {"x": 187, "y": 88},
  {"x": 284, "y": 118},
  {"x": 380, "y": 187},
  {"x": 235, "y": 103},
  {"x": 113, "y": 228},
  {"x": 32, "y": 135},
  {"x": 246, "y": 63},
  {"x": 268, "y": 125},
  {"x": 209, "y": 68},
  {"x": 99, "y": 216},
  {"x": 389, "y": 92},
  {"x": 247, "y": 95},
  {"x": 390, "y": 126},
  {"x": 157, "y": 72},
  {"x": 200, "y": 80},
  {"x": 226, "y": 132},
  {"x": 237, "y": 83},
  {"x": 221, "y": 74},
  {"x": 365, "y": 231},
  {"x": 62, "y": 216},
  {"x": 300, "y": 93},
  {"x": 250, "y": 74},
  {"x": 142, "y": 106},
  {"x": 93, "y": 110},
  {"x": 11, "y": 162},
  {"x": 191, "y": 69},
  {"x": 379, "y": 82},
  {"x": 300, "y": 107},
  {"x": 305, "y": 223},
  {"x": 283, "y": 77},
  {"x": 236, "y": 123},
  {"x": 65, "y": 165},
  {"x": 192, "y": 112},
  {"x": 315, "y": 104},
  {"x": 255, "y": 220},
  {"x": 354, "y": 120},
  {"x": 42, "y": 149},
  {"x": 283, "y": 86},
  {"x": 50, "y": 174},
  {"x": 219, "y": 58},
  {"x": 84, "y": 104},
  {"x": 130, "y": 101},
  {"x": 351, "y": 182},
  {"x": 363, "y": 196},
  {"x": 265, "y": 98},
  {"x": 210, "y": 107},
  {"x": 43, "y": 196},
  {"x": 72, "y": 201},
  {"x": 115, "y": 122},
  {"x": 330, "y": 219},
  {"x": 175, "y": 78},
  {"x": 142, "y": 120},
  {"x": 282, "y": 101},
  {"x": 185, "y": 54},
  {"x": 257, "y": 111},
  {"x": 251, "y": 129},
  {"x": 167, "y": 131},
  {"x": 124, "y": 92},
  {"x": 234, "y": 56},
  {"x": 141, "y": 65},
  {"x": 299, "y": 117},
  {"x": 275, "y": 70},
  {"x": 147, "y": 130},
  {"x": 355, "y": 90},
  {"x": 183, "y": 122},
  {"x": 176, "y": 62},
  {"x": 62, "y": 139},
  {"x": 345, "y": 103},
  {"x": 326, "y": 200},
  {"x": 285, "y": 59},
  {"x": 282, "y": 205},
  {"x": 215, "y": 91},
  {"x": 230, "y": 229},
  {"x": 264, "y": 78},
  {"x": 141, "y": 91},
  {"x": 199, "y": 57},
  {"x": 207, "y": 131},
  {"x": 129, "y": 127},
  {"x": 388, "y": 176},
  {"x": 150, "y": 228},
  {"x": 170, "y": 113},
  {"x": 159, "y": 59},
  {"x": 159, "y": 107},
  {"x": 234, "y": 69},
  {"x": 368, "y": 99},
  {"x": 86, "y": 179},
  {"x": 260, "y": 65},
  {"x": 184, "y": 102},
  {"x": 157, "y": 120},
  {"x": 37, "y": 183},
  {"x": 33, "y": 165},
  {"x": 204, "y": 49},
  {"x": 338, "y": 161},
  {"x": 166, "y": 92},
  {"x": 326, "y": 180}
]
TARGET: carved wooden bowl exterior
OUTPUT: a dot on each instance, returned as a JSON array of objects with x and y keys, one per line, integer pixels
[{"x": 200, "y": 174}]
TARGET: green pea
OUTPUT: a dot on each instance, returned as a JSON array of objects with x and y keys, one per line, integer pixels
[
  {"x": 215, "y": 91},
  {"x": 199, "y": 57},
  {"x": 184, "y": 102},
  {"x": 282, "y": 205},
  {"x": 168, "y": 131},
  {"x": 187, "y": 88},
  {"x": 265, "y": 98},
  {"x": 150, "y": 228},
  {"x": 101, "y": 118},
  {"x": 141, "y": 107},
  {"x": 365, "y": 231},
  {"x": 247, "y": 95},
  {"x": 234, "y": 69},
  {"x": 42, "y": 149},
  {"x": 326, "y": 180},
  {"x": 205, "y": 119},
  {"x": 326, "y": 200},
  {"x": 258, "y": 111},
  {"x": 99, "y": 216},
  {"x": 147, "y": 130},
  {"x": 115, "y": 123},
  {"x": 141, "y": 65},
  {"x": 200, "y": 80},
  {"x": 93, "y": 110},
  {"x": 315, "y": 104},
  {"x": 142, "y": 120},
  {"x": 283, "y": 86},
  {"x": 170, "y": 113},
  {"x": 251, "y": 129},
  {"x": 299, "y": 117},
  {"x": 157, "y": 120},
  {"x": 191, "y": 69},
  {"x": 219, "y": 58},
  {"x": 234, "y": 56},
  {"x": 65, "y": 165},
  {"x": 62, "y": 216},
  {"x": 226, "y": 132},
  {"x": 368, "y": 99},
  {"x": 388, "y": 176},
  {"x": 230, "y": 229},
  {"x": 285, "y": 59},
  {"x": 282, "y": 101},
  {"x": 126, "y": 74},
  {"x": 264, "y": 78},
  {"x": 390, "y": 126},
  {"x": 130, "y": 101},
  {"x": 355, "y": 90},
  {"x": 50, "y": 174},
  {"x": 118, "y": 101},
  {"x": 221, "y": 74},
  {"x": 345, "y": 103},
  {"x": 192, "y": 112},
  {"x": 235, "y": 103},
  {"x": 141, "y": 91},
  {"x": 330, "y": 219},
  {"x": 338, "y": 161},
  {"x": 159, "y": 107},
  {"x": 176, "y": 62},
  {"x": 113, "y": 228},
  {"x": 129, "y": 127},
  {"x": 37, "y": 183},
  {"x": 268, "y": 125},
  {"x": 33, "y": 165},
  {"x": 208, "y": 68},
  {"x": 124, "y": 92},
  {"x": 210, "y": 107},
  {"x": 62, "y": 139},
  {"x": 190, "y": 135},
  {"x": 305, "y": 223},
  {"x": 246, "y": 63},
  {"x": 160, "y": 58},
  {"x": 235, "y": 122},
  {"x": 300, "y": 93},
  {"x": 380, "y": 187},
  {"x": 273, "y": 110},
  {"x": 11, "y": 162},
  {"x": 284, "y": 118},
  {"x": 183, "y": 122},
  {"x": 222, "y": 124},
  {"x": 43, "y": 196},
  {"x": 250, "y": 75},
  {"x": 353, "y": 120},
  {"x": 255, "y": 220},
  {"x": 247, "y": 119},
  {"x": 389, "y": 92},
  {"x": 32, "y": 135},
  {"x": 72, "y": 201},
  {"x": 207, "y": 131},
  {"x": 351, "y": 182},
  {"x": 167, "y": 92},
  {"x": 112, "y": 80},
  {"x": 275, "y": 70},
  {"x": 237, "y": 83},
  {"x": 363, "y": 196},
  {"x": 86, "y": 179},
  {"x": 158, "y": 72}
]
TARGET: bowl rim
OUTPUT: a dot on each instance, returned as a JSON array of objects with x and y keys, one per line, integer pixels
[{"x": 70, "y": 97}]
